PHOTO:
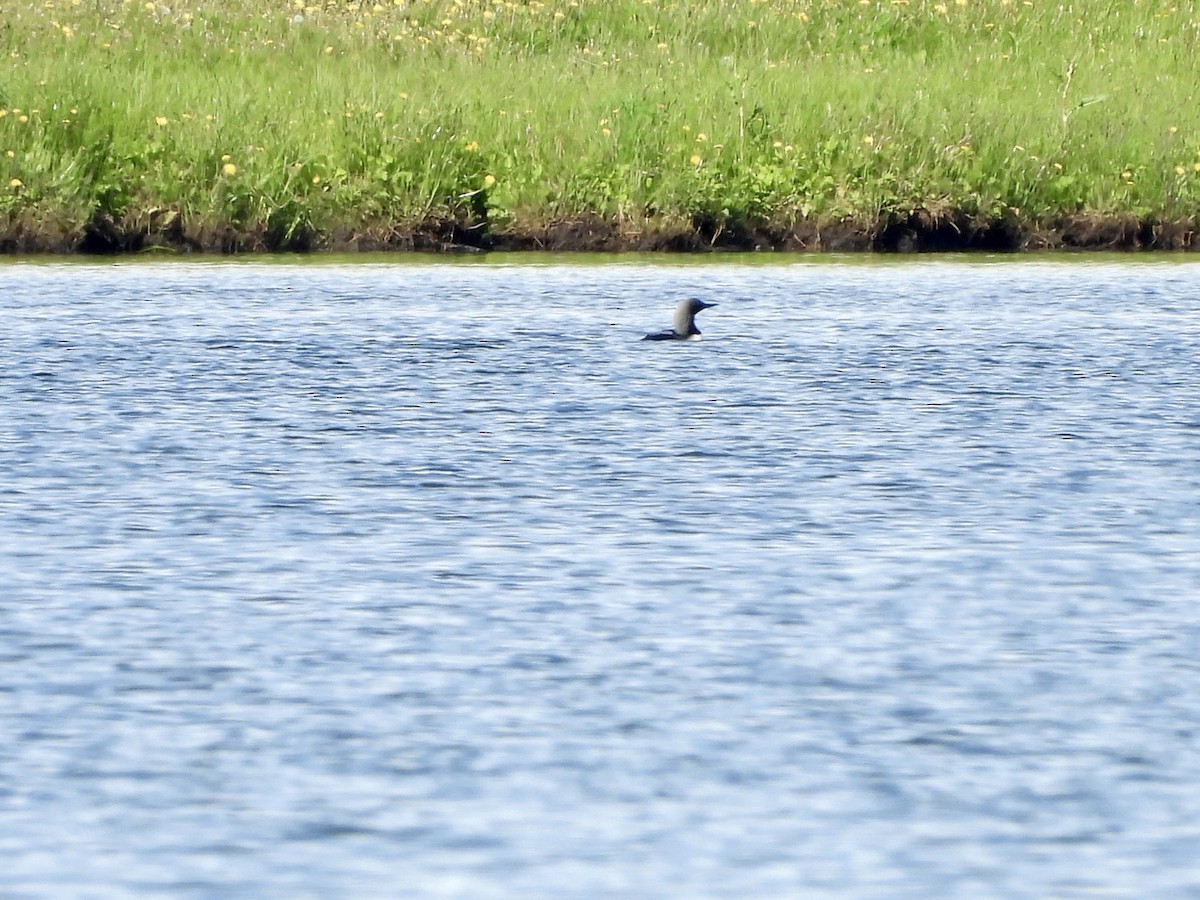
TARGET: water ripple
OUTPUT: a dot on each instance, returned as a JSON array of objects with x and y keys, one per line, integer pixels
[{"x": 434, "y": 579}]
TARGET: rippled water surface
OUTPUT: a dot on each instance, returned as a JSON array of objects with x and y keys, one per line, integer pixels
[{"x": 430, "y": 579}]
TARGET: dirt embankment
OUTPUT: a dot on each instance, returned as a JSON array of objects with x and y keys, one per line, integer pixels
[{"x": 914, "y": 232}]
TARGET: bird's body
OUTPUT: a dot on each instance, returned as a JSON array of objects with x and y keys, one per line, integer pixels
[{"x": 684, "y": 328}]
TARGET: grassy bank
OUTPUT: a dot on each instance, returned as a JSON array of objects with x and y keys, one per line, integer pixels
[{"x": 233, "y": 124}]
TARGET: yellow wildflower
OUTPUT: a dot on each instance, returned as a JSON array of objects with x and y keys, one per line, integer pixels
[
  {"x": 696, "y": 160},
  {"x": 229, "y": 169},
  {"x": 16, "y": 183},
  {"x": 489, "y": 180},
  {"x": 160, "y": 121}
]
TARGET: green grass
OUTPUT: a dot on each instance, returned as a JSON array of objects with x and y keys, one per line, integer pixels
[{"x": 315, "y": 118}]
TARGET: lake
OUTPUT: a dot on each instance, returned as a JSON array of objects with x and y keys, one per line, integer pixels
[{"x": 430, "y": 579}]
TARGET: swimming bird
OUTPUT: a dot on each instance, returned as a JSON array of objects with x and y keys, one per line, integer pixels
[{"x": 685, "y": 322}]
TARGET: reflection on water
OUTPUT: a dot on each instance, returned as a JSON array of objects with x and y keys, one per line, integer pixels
[{"x": 436, "y": 580}]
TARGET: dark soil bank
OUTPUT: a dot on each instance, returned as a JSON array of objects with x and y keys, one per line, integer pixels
[{"x": 914, "y": 232}]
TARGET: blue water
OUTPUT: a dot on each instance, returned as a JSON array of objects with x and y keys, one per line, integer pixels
[{"x": 431, "y": 580}]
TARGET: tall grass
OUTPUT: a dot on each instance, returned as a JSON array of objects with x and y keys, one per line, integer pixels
[{"x": 307, "y": 118}]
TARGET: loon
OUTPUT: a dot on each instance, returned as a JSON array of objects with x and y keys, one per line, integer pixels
[{"x": 685, "y": 323}]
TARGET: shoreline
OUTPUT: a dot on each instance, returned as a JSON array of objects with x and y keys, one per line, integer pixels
[
  {"x": 882, "y": 126},
  {"x": 915, "y": 232}
]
